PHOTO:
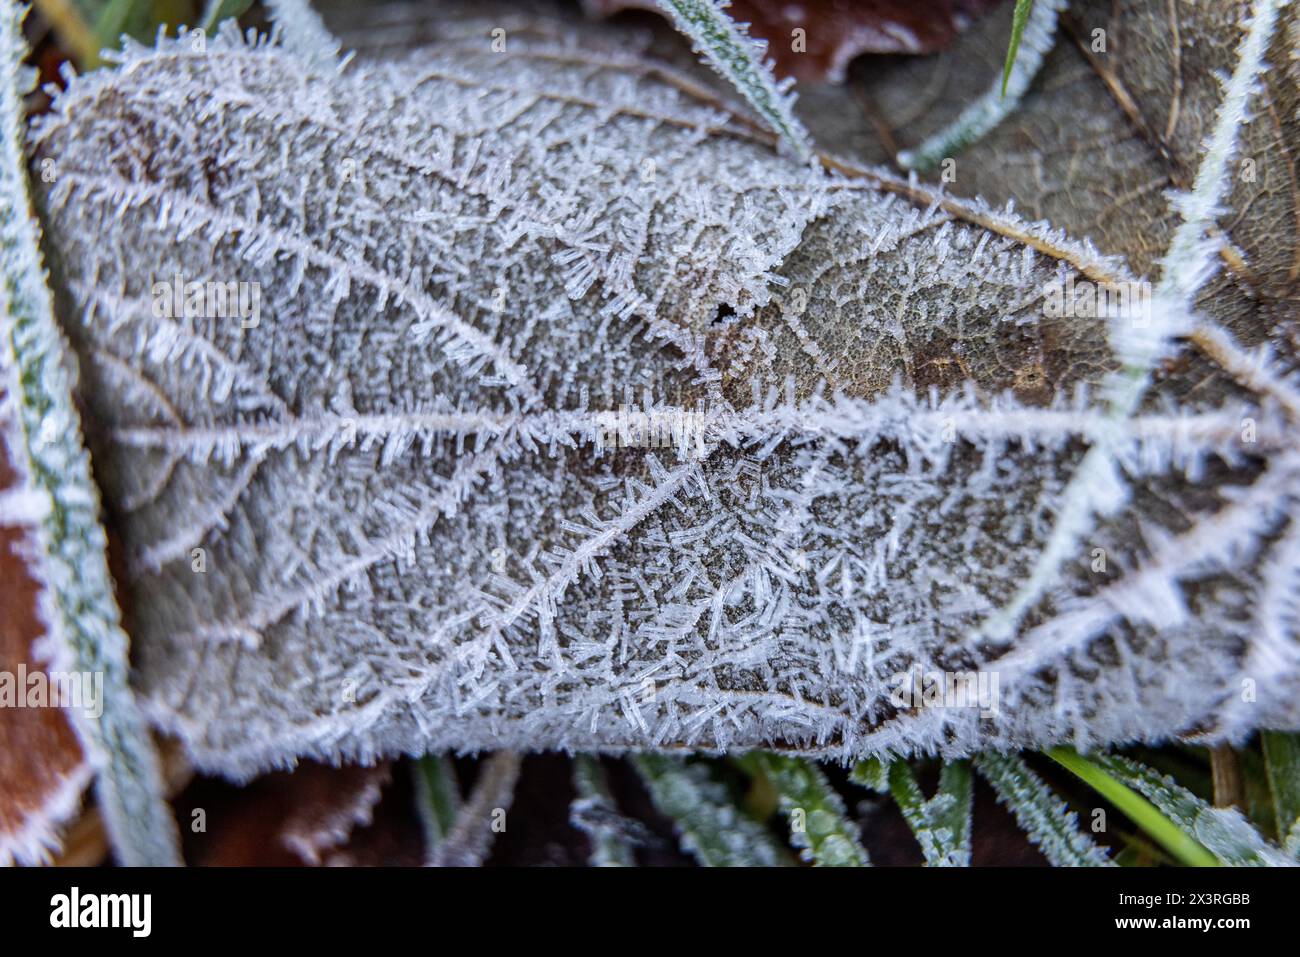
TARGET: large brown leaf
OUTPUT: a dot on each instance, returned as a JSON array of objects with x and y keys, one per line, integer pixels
[{"x": 382, "y": 518}]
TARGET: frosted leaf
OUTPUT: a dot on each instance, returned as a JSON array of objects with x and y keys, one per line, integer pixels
[
  {"x": 593, "y": 812},
  {"x": 1142, "y": 341},
  {"x": 708, "y": 821},
  {"x": 574, "y": 416},
  {"x": 1044, "y": 817},
  {"x": 437, "y": 795},
  {"x": 316, "y": 830},
  {"x": 819, "y": 826},
  {"x": 1225, "y": 832},
  {"x": 82, "y": 645},
  {"x": 942, "y": 824}
]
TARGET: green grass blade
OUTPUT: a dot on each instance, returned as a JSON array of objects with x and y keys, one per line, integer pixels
[
  {"x": 81, "y": 615},
  {"x": 819, "y": 826},
  {"x": 1139, "y": 810},
  {"x": 595, "y": 813},
  {"x": 710, "y": 825},
  {"x": 872, "y": 774},
  {"x": 437, "y": 792},
  {"x": 738, "y": 58},
  {"x": 1224, "y": 833},
  {"x": 1043, "y": 816},
  {"x": 942, "y": 824},
  {"x": 468, "y": 842},
  {"x": 1018, "y": 20},
  {"x": 1282, "y": 759},
  {"x": 1034, "y": 41}
]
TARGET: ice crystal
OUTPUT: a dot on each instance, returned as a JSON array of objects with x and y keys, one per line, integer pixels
[{"x": 559, "y": 410}]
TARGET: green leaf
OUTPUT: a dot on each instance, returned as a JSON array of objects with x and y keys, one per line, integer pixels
[
  {"x": 1219, "y": 833},
  {"x": 83, "y": 621},
  {"x": 710, "y": 825},
  {"x": 1282, "y": 759},
  {"x": 1018, "y": 20},
  {"x": 819, "y": 825},
  {"x": 942, "y": 824},
  {"x": 1043, "y": 816},
  {"x": 739, "y": 59},
  {"x": 437, "y": 791}
]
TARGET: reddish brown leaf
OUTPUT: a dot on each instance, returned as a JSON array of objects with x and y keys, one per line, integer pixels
[
  {"x": 313, "y": 815},
  {"x": 835, "y": 31},
  {"x": 42, "y": 771}
]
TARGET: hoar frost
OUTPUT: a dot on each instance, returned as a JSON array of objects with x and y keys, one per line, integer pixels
[{"x": 412, "y": 533}]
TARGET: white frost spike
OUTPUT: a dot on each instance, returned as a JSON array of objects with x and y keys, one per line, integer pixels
[
  {"x": 303, "y": 30},
  {"x": 83, "y": 633}
]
